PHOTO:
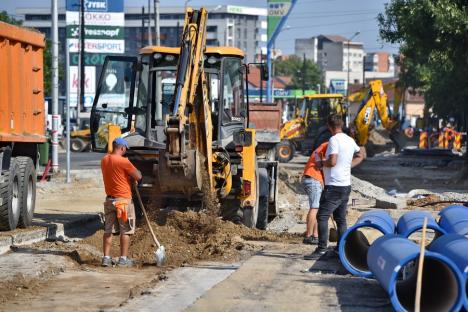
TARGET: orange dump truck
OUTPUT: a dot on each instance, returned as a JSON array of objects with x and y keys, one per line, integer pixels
[{"x": 22, "y": 122}]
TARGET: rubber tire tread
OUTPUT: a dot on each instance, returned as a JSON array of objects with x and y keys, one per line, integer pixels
[
  {"x": 82, "y": 143},
  {"x": 287, "y": 144},
  {"x": 26, "y": 169},
  {"x": 262, "y": 218},
  {"x": 6, "y": 189},
  {"x": 249, "y": 215}
]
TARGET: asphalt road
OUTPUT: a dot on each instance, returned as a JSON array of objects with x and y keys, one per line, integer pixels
[{"x": 81, "y": 161}]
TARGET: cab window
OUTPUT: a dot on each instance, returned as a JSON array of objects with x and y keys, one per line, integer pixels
[{"x": 233, "y": 96}]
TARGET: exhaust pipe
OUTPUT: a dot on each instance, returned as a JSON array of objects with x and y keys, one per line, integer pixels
[
  {"x": 393, "y": 260},
  {"x": 412, "y": 222},
  {"x": 355, "y": 242},
  {"x": 455, "y": 247},
  {"x": 454, "y": 219}
]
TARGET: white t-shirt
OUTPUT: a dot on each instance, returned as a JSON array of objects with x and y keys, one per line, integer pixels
[{"x": 345, "y": 147}]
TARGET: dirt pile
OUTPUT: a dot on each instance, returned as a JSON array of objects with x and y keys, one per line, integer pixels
[
  {"x": 432, "y": 201},
  {"x": 190, "y": 237}
]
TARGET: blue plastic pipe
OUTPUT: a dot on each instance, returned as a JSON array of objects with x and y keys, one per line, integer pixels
[
  {"x": 354, "y": 244},
  {"x": 455, "y": 247},
  {"x": 393, "y": 260},
  {"x": 413, "y": 221},
  {"x": 454, "y": 219}
]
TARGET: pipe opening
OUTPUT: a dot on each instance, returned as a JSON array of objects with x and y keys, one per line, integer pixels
[
  {"x": 357, "y": 245},
  {"x": 431, "y": 235},
  {"x": 439, "y": 286}
]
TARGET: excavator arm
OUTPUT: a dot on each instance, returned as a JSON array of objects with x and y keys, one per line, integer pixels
[
  {"x": 376, "y": 98},
  {"x": 188, "y": 128}
]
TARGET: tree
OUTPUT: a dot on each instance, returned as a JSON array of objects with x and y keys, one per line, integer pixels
[
  {"x": 297, "y": 68},
  {"x": 4, "y": 17},
  {"x": 434, "y": 42},
  {"x": 432, "y": 34}
]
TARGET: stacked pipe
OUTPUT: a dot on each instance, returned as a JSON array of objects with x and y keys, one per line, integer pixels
[{"x": 392, "y": 258}]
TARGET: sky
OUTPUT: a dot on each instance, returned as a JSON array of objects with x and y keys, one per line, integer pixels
[{"x": 309, "y": 18}]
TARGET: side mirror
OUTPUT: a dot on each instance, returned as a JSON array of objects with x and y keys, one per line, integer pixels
[{"x": 264, "y": 71}]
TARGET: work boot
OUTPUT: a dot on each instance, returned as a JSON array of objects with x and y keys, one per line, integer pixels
[
  {"x": 106, "y": 261},
  {"x": 310, "y": 240},
  {"x": 125, "y": 262},
  {"x": 317, "y": 254}
]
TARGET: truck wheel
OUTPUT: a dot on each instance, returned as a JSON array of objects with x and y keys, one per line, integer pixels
[
  {"x": 27, "y": 190},
  {"x": 9, "y": 192},
  {"x": 285, "y": 151},
  {"x": 249, "y": 215},
  {"x": 262, "y": 219},
  {"x": 77, "y": 145}
]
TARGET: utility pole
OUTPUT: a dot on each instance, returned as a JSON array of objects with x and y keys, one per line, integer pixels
[
  {"x": 304, "y": 70},
  {"x": 55, "y": 115},
  {"x": 150, "y": 35},
  {"x": 142, "y": 29},
  {"x": 80, "y": 105},
  {"x": 158, "y": 93}
]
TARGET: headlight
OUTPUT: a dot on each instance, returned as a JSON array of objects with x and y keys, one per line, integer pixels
[
  {"x": 157, "y": 56},
  {"x": 169, "y": 58}
]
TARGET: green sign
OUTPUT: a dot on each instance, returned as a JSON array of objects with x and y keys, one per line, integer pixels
[
  {"x": 276, "y": 10},
  {"x": 91, "y": 59},
  {"x": 96, "y": 32}
]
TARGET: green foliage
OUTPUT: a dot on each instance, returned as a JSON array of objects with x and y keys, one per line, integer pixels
[
  {"x": 434, "y": 41},
  {"x": 4, "y": 17},
  {"x": 294, "y": 66}
]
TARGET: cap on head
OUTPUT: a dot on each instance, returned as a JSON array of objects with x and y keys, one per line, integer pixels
[{"x": 120, "y": 141}]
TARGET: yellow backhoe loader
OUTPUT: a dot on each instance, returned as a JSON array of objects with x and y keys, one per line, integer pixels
[{"x": 187, "y": 129}]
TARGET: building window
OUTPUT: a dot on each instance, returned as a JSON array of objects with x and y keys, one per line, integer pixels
[
  {"x": 211, "y": 28},
  {"x": 245, "y": 33}
]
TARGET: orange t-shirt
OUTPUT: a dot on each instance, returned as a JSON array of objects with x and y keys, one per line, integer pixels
[
  {"x": 311, "y": 168},
  {"x": 116, "y": 175}
]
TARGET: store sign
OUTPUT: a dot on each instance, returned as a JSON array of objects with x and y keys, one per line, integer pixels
[
  {"x": 97, "y": 46},
  {"x": 246, "y": 10},
  {"x": 338, "y": 86},
  {"x": 96, "y": 5},
  {"x": 90, "y": 59},
  {"x": 277, "y": 9},
  {"x": 90, "y": 79},
  {"x": 96, "y": 18},
  {"x": 96, "y": 32}
]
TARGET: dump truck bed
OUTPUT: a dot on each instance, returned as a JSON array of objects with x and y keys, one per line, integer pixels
[
  {"x": 266, "y": 119},
  {"x": 22, "y": 109}
]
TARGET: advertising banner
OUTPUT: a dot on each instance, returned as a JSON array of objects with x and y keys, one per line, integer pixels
[
  {"x": 338, "y": 86},
  {"x": 97, "y": 46},
  {"x": 96, "y": 18},
  {"x": 97, "y": 5},
  {"x": 96, "y": 32},
  {"x": 277, "y": 9}
]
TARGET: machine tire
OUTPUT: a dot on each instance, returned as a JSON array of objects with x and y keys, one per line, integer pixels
[
  {"x": 9, "y": 192},
  {"x": 77, "y": 145},
  {"x": 27, "y": 190},
  {"x": 262, "y": 219},
  {"x": 285, "y": 151},
  {"x": 250, "y": 214}
]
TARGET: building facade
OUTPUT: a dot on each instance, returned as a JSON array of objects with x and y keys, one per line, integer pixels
[{"x": 235, "y": 26}]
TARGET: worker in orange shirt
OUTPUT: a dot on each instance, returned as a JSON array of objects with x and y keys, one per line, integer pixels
[
  {"x": 118, "y": 174},
  {"x": 312, "y": 179}
]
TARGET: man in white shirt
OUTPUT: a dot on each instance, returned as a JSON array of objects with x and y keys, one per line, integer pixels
[{"x": 342, "y": 154}]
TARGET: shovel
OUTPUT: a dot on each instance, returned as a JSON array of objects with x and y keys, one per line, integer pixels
[{"x": 160, "y": 253}]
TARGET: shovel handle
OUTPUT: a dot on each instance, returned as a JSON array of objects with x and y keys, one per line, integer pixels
[{"x": 146, "y": 216}]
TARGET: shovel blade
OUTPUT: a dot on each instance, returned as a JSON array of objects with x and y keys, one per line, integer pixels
[{"x": 160, "y": 255}]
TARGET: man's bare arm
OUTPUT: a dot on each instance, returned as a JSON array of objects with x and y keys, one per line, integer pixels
[
  {"x": 358, "y": 158},
  {"x": 330, "y": 161}
]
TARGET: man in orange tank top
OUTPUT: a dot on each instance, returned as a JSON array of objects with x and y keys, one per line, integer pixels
[
  {"x": 312, "y": 179},
  {"x": 118, "y": 174}
]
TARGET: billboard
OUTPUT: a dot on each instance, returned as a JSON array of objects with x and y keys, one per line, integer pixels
[
  {"x": 277, "y": 9},
  {"x": 338, "y": 86}
]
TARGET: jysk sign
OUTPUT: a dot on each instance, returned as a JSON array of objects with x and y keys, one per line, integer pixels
[{"x": 97, "y": 5}]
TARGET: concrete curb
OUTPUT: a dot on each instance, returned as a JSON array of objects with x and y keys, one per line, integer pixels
[{"x": 50, "y": 230}]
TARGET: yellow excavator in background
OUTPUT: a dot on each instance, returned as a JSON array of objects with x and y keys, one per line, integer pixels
[
  {"x": 187, "y": 130},
  {"x": 301, "y": 132},
  {"x": 376, "y": 99}
]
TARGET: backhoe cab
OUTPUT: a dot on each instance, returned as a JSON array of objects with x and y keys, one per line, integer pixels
[{"x": 183, "y": 114}]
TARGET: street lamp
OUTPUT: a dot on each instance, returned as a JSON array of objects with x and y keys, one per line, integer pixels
[{"x": 347, "y": 81}]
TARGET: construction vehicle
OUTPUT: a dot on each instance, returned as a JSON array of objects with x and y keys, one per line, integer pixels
[
  {"x": 376, "y": 100},
  {"x": 300, "y": 133},
  {"x": 22, "y": 122},
  {"x": 189, "y": 139}
]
